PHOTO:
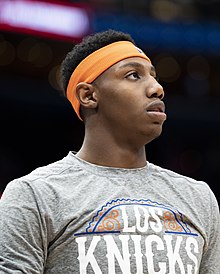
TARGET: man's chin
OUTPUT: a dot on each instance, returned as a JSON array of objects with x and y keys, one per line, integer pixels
[{"x": 154, "y": 136}]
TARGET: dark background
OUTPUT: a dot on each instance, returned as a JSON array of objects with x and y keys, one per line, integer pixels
[{"x": 182, "y": 38}]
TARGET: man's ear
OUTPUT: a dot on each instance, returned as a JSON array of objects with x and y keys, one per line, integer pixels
[{"x": 86, "y": 95}]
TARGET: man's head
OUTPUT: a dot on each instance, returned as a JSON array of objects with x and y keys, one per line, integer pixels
[
  {"x": 89, "y": 45},
  {"x": 119, "y": 91}
]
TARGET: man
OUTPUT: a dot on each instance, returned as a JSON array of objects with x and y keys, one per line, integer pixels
[{"x": 106, "y": 209}]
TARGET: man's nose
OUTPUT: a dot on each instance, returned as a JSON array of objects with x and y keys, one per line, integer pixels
[{"x": 156, "y": 90}]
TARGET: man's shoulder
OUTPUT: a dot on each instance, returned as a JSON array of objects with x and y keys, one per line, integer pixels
[
  {"x": 47, "y": 173},
  {"x": 185, "y": 188},
  {"x": 175, "y": 177},
  {"x": 44, "y": 179}
]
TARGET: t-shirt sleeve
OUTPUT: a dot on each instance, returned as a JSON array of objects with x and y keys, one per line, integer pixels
[
  {"x": 210, "y": 263},
  {"x": 23, "y": 246}
]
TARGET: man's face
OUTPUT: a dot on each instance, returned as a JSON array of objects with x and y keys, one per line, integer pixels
[{"x": 129, "y": 100}]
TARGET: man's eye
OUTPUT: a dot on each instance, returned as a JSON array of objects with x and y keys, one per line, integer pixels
[{"x": 133, "y": 75}]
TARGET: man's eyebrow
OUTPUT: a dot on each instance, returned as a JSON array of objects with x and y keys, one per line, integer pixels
[{"x": 138, "y": 65}]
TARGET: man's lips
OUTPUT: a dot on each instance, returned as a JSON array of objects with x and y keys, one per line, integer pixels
[
  {"x": 156, "y": 110},
  {"x": 156, "y": 106}
]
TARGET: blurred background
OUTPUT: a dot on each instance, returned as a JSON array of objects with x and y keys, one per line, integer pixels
[{"x": 182, "y": 38}]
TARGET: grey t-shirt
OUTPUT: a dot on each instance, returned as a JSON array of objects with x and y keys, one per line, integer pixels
[{"x": 76, "y": 217}]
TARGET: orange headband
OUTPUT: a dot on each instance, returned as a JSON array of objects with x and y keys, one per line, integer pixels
[{"x": 96, "y": 63}]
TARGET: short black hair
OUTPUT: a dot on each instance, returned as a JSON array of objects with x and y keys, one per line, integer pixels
[{"x": 88, "y": 45}]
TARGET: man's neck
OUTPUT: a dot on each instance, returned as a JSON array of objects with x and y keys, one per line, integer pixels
[{"x": 112, "y": 155}]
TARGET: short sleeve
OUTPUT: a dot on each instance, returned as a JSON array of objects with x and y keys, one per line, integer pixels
[
  {"x": 22, "y": 231},
  {"x": 210, "y": 263}
]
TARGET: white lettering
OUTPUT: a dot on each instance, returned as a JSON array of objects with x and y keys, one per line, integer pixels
[
  {"x": 149, "y": 254},
  {"x": 113, "y": 251},
  {"x": 85, "y": 259},
  {"x": 189, "y": 242},
  {"x": 156, "y": 226},
  {"x": 125, "y": 219},
  {"x": 144, "y": 217},
  {"x": 174, "y": 255},
  {"x": 137, "y": 209},
  {"x": 138, "y": 255}
]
